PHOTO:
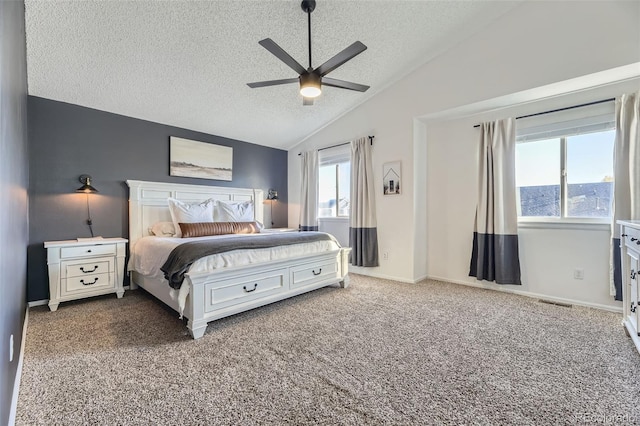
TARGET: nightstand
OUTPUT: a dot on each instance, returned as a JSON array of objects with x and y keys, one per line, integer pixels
[{"x": 84, "y": 269}]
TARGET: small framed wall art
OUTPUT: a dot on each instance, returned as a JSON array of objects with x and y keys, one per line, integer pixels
[
  {"x": 202, "y": 160},
  {"x": 391, "y": 178}
]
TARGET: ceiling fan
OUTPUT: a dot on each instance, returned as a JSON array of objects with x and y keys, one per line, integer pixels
[{"x": 311, "y": 80}]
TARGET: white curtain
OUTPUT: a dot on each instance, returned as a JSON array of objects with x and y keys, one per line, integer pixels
[
  {"x": 363, "y": 231},
  {"x": 309, "y": 192},
  {"x": 495, "y": 238},
  {"x": 626, "y": 172}
]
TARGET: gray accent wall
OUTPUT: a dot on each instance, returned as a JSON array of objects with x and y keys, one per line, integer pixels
[
  {"x": 13, "y": 192},
  {"x": 68, "y": 140}
]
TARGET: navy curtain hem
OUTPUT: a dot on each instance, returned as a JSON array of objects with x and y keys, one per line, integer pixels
[
  {"x": 495, "y": 258},
  {"x": 617, "y": 273},
  {"x": 364, "y": 246}
]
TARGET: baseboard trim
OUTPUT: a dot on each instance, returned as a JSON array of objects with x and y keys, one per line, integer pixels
[
  {"x": 421, "y": 278},
  {"x": 46, "y": 301},
  {"x": 16, "y": 383},
  {"x": 531, "y": 295},
  {"x": 362, "y": 271}
]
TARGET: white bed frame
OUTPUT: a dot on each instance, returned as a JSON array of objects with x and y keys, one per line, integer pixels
[{"x": 228, "y": 291}]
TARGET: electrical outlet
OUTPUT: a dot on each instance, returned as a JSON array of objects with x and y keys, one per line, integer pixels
[
  {"x": 578, "y": 274},
  {"x": 11, "y": 348},
  {"x": 385, "y": 255}
]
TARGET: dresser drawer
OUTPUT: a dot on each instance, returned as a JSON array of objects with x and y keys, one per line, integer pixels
[
  {"x": 632, "y": 238},
  {"x": 314, "y": 273},
  {"x": 244, "y": 289},
  {"x": 84, "y": 251},
  {"x": 88, "y": 283},
  {"x": 85, "y": 267}
]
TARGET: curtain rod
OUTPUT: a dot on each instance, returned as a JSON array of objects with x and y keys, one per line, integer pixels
[
  {"x": 562, "y": 109},
  {"x": 340, "y": 144}
]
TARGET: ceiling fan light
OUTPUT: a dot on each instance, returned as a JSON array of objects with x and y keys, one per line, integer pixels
[
  {"x": 310, "y": 91},
  {"x": 310, "y": 85}
]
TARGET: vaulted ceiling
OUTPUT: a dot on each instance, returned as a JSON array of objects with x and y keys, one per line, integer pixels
[{"x": 187, "y": 63}]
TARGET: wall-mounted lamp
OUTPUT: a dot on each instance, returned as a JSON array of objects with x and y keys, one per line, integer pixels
[
  {"x": 272, "y": 195},
  {"x": 87, "y": 189}
]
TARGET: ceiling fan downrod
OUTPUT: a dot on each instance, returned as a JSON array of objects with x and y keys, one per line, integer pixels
[{"x": 309, "y": 6}]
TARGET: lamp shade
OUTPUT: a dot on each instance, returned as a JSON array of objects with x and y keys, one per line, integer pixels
[
  {"x": 86, "y": 185},
  {"x": 272, "y": 194}
]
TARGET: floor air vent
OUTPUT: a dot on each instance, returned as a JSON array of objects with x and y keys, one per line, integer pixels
[{"x": 551, "y": 302}]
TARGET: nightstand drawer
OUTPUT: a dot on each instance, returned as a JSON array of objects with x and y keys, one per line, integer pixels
[
  {"x": 89, "y": 283},
  {"x": 84, "y": 251},
  {"x": 81, "y": 268}
]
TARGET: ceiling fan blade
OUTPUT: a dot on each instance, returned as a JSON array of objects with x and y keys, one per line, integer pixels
[
  {"x": 279, "y": 52},
  {"x": 339, "y": 59},
  {"x": 273, "y": 82},
  {"x": 307, "y": 101},
  {"x": 332, "y": 82}
]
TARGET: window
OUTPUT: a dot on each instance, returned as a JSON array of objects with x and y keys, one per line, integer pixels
[
  {"x": 564, "y": 169},
  {"x": 334, "y": 182}
]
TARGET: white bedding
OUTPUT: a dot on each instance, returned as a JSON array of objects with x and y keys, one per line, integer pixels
[{"x": 149, "y": 254}]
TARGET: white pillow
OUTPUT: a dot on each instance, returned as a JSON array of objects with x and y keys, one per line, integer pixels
[
  {"x": 162, "y": 229},
  {"x": 233, "y": 211},
  {"x": 182, "y": 212}
]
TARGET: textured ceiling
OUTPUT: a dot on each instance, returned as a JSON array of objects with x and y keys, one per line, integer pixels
[{"x": 186, "y": 63}]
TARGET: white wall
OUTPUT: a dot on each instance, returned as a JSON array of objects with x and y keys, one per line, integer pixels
[
  {"x": 535, "y": 44},
  {"x": 338, "y": 227}
]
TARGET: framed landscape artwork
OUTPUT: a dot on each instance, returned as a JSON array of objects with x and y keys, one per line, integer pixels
[
  {"x": 392, "y": 176},
  {"x": 202, "y": 160}
]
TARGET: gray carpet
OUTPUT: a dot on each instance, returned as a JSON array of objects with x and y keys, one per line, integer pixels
[{"x": 379, "y": 352}]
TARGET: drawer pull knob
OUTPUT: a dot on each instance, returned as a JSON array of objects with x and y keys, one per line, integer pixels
[
  {"x": 88, "y": 251},
  {"x": 633, "y": 307},
  {"x": 623, "y": 235},
  {"x": 94, "y": 281},
  {"x": 253, "y": 289},
  {"x": 633, "y": 274},
  {"x": 88, "y": 272},
  {"x": 633, "y": 239},
  {"x": 317, "y": 273}
]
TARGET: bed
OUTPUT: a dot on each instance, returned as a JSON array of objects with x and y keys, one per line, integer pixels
[{"x": 216, "y": 287}]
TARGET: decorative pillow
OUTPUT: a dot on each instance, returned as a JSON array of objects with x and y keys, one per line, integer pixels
[
  {"x": 233, "y": 211},
  {"x": 204, "y": 229},
  {"x": 182, "y": 212},
  {"x": 162, "y": 229}
]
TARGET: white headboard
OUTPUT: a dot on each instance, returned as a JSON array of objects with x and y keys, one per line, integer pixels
[{"x": 148, "y": 202}]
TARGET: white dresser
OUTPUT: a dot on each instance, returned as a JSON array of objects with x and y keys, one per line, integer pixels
[
  {"x": 79, "y": 269},
  {"x": 630, "y": 259}
]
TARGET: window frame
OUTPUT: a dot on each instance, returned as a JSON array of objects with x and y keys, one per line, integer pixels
[
  {"x": 563, "y": 125},
  {"x": 334, "y": 157}
]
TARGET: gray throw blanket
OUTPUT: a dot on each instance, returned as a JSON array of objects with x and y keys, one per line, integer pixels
[{"x": 183, "y": 256}]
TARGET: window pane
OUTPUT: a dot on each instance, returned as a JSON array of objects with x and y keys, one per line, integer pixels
[
  {"x": 538, "y": 178},
  {"x": 590, "y": 174},
  {"x": 344, "y": 180},
  {"x": 327, "y": 191}
]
